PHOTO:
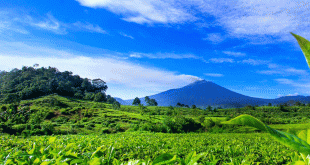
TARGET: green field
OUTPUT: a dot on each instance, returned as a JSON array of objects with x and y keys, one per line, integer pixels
[
  {"x": 63, "y": 130},
  {"x": 230, "y": 148}
]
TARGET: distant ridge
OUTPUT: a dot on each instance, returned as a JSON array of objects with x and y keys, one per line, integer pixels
[{"x": 203, "y": 93}]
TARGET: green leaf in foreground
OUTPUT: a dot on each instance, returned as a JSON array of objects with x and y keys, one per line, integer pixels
[
  {"x": 164, "y": 159},
  {"x": 304, "y": 45},
  {"x": 287, "y": 139}
]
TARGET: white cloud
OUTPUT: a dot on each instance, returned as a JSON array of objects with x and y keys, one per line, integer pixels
[
  {"x": 49, "y": 23},
  {"x": 221, "y": 60},
  {"x": 285, "y": 81},
  {"x": 254, "y": 62},
  {"x": 295, "y": 94},
  {"x": 215, "y": 38},
  {"x": 52, "y": 24},
  {"x": 272, "y": 66},
  {"x": 301, "y": 84},
  {"x": 89, "y": 27},
  {"x": 7, "y": 24},
  {"x": 135, "y": 55},
  {"x": 118, "y": 74},
  {"x": 256, "y": 20},
  {"x": 214, "y": 74},
  {"x": 166, "y": 56},
  {"x": 263, "y": 17},
  {"x": 281, "y": 70},
  {"x": 235, "y": 54},
  {"x": 18, "y": 22},
  {"x": 270, "y": 72},
  {"x": 144, "y": 11},
  {"x": 296, "y": 71},
  {"x": 126, "y": 35}
]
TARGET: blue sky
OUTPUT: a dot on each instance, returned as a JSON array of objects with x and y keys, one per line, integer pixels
[{"x": 143, "y": 47}]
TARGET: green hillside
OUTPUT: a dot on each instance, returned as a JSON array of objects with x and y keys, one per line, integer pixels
[{"x": 54, "y": 114}]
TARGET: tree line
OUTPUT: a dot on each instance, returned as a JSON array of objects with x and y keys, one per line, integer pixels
[
  {"x": 149, "y": 102},
  {"x": 31, "y": 82}
]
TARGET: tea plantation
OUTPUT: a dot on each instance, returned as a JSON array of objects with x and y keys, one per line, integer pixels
[{"x": 62, "y": 130}]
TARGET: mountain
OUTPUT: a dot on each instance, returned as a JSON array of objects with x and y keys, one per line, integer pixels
[
  {"x": 204, "y": 93},
  {"x": 121, "y": 101},
  {"x": 291, "y": 99}
]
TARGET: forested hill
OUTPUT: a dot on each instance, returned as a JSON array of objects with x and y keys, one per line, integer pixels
[{"x": 30, "y": 82}]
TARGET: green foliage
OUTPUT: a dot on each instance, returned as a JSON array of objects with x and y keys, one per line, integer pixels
[
  {"x": 209, "y": 108},
  {"x": 100, "y": 97},
  {"x": 304, "y": 45},
  {"x": 181, "y": 124},
  {"x": 116, "y": 105},
  {"x": 181, "y": 105},
  {"x": 147, "y": 99},
  {"x": 65, "y": 113},
  {"x": 150, "y": 102},
  {"x": 148, "y": 148},
  {"x": 299, "y": 142},
  {"x": 30, "y": 82},
  {"x": 136, "y": 101},
  {"x": 89, "y": 96},
  {"x": 11, "y": 98},
  {"x": 110, "y": 100}
]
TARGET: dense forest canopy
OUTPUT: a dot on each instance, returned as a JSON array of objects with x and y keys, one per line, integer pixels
[{"x": 30, "y": 82}]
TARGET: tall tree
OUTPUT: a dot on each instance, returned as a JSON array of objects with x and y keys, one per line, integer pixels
[
  {"x": 110, "y": 99},
  {"x": 100, "y": 97},
  {"x": 147, "y": 100},
  {"x": 136, "y": 101},
  {"x": 116, "y": 105},
  {"x": 153, "y": 102},
  {"x": 209, "y": 108},
  {"x": 100, "y": 85}
]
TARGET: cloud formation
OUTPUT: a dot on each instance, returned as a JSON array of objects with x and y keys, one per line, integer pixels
[
  {"x": 114, "y": 71},
  {"x": 263, "y": 17},
  {"x": 255, "y": 62},
  {"x": 285, "y": 71},
  {"x": 215, "y": 38},
  {"x": 221, "y": 60},
  {"x": 126, "y": 35},
  {"x": 235, "y": 54},
  {"x": 16, "y": 22},
  {"x": 240, "y": 18},
  {"x": 89, "y": 27},
  {"x": 144, "y": 11},
  {"x": 166, "y": 56},
  {"x": 49, "y": 23},
  {"x": 214, "y": 74}
]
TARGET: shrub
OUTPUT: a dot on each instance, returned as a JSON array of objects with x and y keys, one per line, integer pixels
[
  {"x": 75, "y": 110},
  {"x": 106, "y": 130},
  {"x": 181, "y": 124},
  {"x": 116, "y": 105}
]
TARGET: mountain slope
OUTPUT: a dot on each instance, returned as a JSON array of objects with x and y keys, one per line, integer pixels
[{"x": 203, "y": 93}]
